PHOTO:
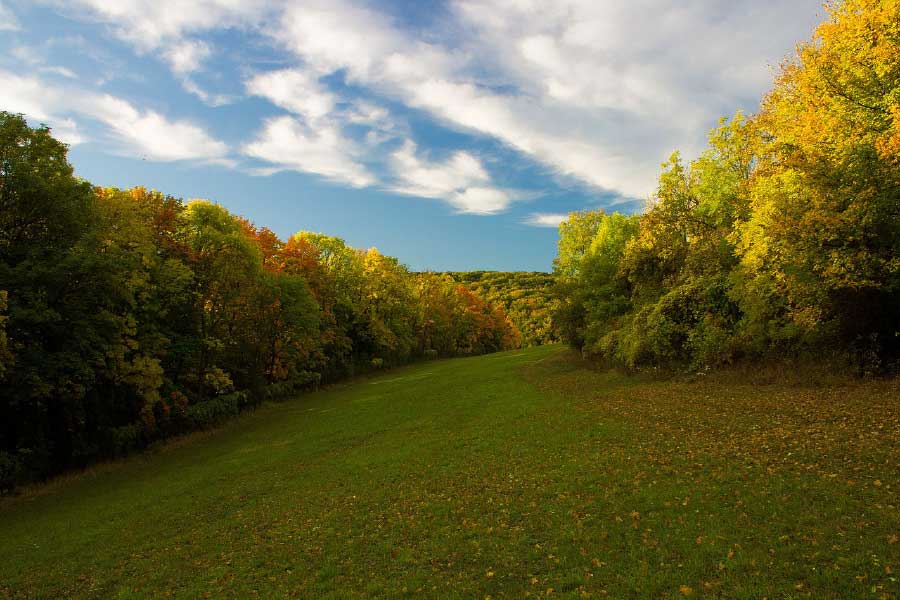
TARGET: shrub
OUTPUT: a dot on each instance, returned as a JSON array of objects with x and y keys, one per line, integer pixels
[
  {"x": 10, "y": 471},
  {"x": 210, "y": 412},
  {"x": 127, "y": 438}
]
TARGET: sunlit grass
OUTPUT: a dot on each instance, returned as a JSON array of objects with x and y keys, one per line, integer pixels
[{"x": 505, "y": 475}]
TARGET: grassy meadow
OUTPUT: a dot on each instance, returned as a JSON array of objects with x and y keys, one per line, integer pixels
[{"x": 524, "y": 473}]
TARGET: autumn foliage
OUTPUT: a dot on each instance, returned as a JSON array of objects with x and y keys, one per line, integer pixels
[
  {"x": 128, "y": 315},
  {"x": 781, "y": 239},
  {"x": 526, "y": 298}
]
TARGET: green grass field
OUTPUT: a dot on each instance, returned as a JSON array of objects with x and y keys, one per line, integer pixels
[{"x": 522, "y": 473}]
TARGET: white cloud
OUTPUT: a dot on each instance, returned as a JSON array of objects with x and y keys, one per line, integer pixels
[
  {"x": 151, "y": 134},
  {"x": 135, "y": 132},
  {"x": 289, "y": 144},
  {"x": 152, "y": 24},
  {"x": 187, "y": 56},
  {"x": 545, "y": 219},
  {"x": 296, "y": 90},
  {"x": 373, "y": 52},
  {"x": 461, "y": 180},
  {"x": 29, "y": 96},
  {"x": 62, "y": 71},
  {"x": 214, "y": 100},
  {"x": 170, "y": 28},
  {"x": 316, "y": 142},
  {"x": 26, "y": 54},
  {"x": 8, "y": 20},
  {"x": 481, "y": 200},
  {"x": 35, "y": 58}
]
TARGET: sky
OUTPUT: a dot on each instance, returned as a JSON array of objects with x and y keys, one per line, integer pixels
[{"x": 454, "y": 135}]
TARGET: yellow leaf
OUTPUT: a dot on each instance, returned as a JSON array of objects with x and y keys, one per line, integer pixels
[{"x": 686, "y": 590}]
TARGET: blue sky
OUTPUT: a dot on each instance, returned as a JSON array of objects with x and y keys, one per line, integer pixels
[{"x": 453, "y": 135}]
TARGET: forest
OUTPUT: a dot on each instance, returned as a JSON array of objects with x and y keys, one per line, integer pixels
[
  {"x": 781, "y": 241},
  {"x": 127, "y": 316}
]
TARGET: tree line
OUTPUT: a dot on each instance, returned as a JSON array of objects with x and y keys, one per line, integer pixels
[
  {"x": 127, "y": 316},
  {"x": 781, "y": 240}
]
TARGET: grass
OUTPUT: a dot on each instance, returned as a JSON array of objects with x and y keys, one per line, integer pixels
[{"x": 522, "y": 473}]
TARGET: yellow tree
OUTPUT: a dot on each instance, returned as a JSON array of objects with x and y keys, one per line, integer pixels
[{"x": 824, "y": 230}]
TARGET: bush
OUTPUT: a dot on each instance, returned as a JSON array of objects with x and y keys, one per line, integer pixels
[
  {"x": 210, "y": 412},
  {"x": 711, "y": 343},
  {"x": 127, "y": 439},
  {"x": 10, "y": 471}
]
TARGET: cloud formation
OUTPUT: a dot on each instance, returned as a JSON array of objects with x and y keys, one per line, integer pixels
[
  {"x": 8, "y": 20},
  {"x": 154, "y": 24},
  {"x": 133, "y": 132},
  {"x": 460, "y": 180},
  {"x": 599, "y": 92},
  {"x": 295, "y": 90},
  {"x": 595, "y": 90},
  {"x": 287, "y": 143},
  {"x": 186, "y": 56},
  {"x": 545, "y": 219}
]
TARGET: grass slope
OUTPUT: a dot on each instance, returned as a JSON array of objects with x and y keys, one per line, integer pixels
[{"x": 511, "y": 474}]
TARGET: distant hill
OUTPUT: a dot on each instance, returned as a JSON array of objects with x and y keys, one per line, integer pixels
[{"x": 525, "y": 296}]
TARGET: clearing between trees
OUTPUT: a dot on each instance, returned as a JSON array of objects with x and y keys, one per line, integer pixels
[{"x": 524, "y": 472}]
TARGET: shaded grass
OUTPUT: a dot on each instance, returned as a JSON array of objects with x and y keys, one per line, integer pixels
[{"x": 517, "y": 473}]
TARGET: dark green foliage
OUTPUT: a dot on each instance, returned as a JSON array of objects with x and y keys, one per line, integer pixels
[
  {"x": 130, "y": 316},
  {"x": 214, "y": 411}
]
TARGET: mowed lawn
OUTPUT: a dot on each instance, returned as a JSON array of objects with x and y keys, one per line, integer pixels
[{"x": 521, "y": 473}]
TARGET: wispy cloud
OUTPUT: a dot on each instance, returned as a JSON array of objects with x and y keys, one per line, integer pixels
[
  {"x": 460, "y": 180},
  {"x": 35, "y": 58},
  {"x": 210, "y": 99},
  {"x": 296, "y": 90},
  {"x": 8, "y": 20},
  {"x": 545, "y": 219},
  {"x": 152, "y": 25},
  {"x": 592, "y": 90},
  {"x": 288, "y": 143},
  {"x": 186, "y": 57},
  {"x": 581, "y": 86},
  {"x": 151, "y": 134},
  {"x": 132, "y": 131},
  {"x": 61, "y": 71},
  {"x": 315, "y": 139}
]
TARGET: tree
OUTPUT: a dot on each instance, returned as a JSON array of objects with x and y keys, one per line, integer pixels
[
  {"x": 575, "y": 236},
  {"x": 825, "y": 227},
  {"x": 226, "y": 267}
]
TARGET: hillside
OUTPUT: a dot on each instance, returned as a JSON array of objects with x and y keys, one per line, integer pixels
[
  {"x": 520, "y": 473},
  {"x": 526, "y": 297}
]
